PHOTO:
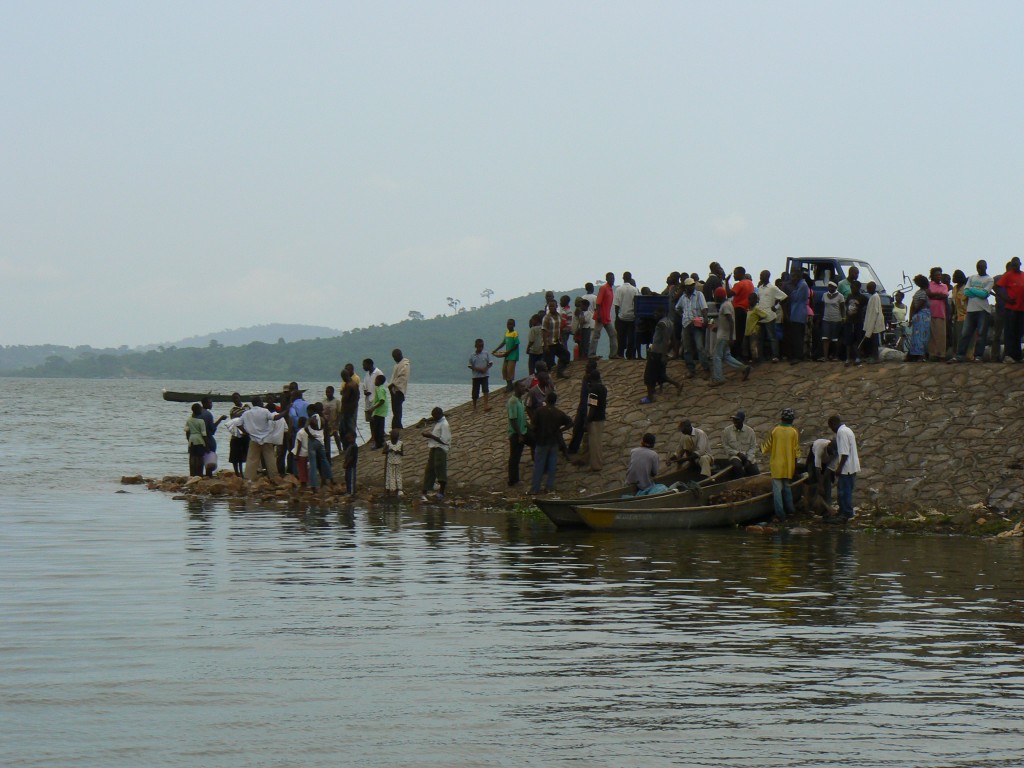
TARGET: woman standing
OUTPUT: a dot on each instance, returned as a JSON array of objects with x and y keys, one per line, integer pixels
[{"x": 920, "y": 320}]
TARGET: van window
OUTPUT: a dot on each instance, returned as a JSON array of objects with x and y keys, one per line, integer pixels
[{"x": 867, "y": 274}]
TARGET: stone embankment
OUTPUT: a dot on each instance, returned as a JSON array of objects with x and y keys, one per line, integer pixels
[{"x": 941, "y": 446}]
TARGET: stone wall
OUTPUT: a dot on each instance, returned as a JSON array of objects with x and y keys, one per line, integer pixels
[{"x": 930, "y": 435}]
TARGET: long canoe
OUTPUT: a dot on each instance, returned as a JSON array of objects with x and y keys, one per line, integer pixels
[
  {"x": 195, "y": 397},
  {"x": 684, "y": 511},
  {"x": 562, "y": 512}
]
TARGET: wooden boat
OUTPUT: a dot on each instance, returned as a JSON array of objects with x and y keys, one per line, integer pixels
[
  {"x": 562, "y": 512},
  {"x": 716, "y": 506},
  {"x": 195, "y": 397}
]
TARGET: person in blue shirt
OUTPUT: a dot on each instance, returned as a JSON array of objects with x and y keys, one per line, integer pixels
[{"x": 797, "y": 322}]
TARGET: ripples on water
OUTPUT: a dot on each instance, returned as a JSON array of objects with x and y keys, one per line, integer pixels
[{"x": 139, "y": 630}]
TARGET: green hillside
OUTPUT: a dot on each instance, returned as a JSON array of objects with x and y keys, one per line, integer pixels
[{"x": 438, "y": 348}]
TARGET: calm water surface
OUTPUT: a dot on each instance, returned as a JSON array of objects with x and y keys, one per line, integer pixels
[{"x": 138, "y": 630}]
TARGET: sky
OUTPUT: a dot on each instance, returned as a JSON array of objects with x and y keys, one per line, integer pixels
[{"x": 172, "y": 169}]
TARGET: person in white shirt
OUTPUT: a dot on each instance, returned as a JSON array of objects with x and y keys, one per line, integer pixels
[
  {"x": 625, "y": 317},
  {"x": 439, "y": 440},
  {"x": 263, "y": 428},
  {"x": 693, "y": 448},
  {"x": 399, "y": 386},
  {"x": 979, "y": 313},
  {"x": 769, "y": 296},
  {"x": 368, "y": 386},
  {"x": 847, "y": 465}
]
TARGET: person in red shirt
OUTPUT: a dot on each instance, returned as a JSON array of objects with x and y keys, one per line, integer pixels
[
  {"x": 1011, "y": 284},
  {"x": 603, "y": 317},
  {"x": 742, "y": 289}
]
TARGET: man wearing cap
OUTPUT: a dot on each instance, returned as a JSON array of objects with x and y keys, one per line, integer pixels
[
  {"x": 847, "y": 466},
  {"x": 782, "y": 447},
  {"x": 832, "y": 318},
  {"x": 725, "y": 326},
  {"x": 693, "y": 313},
  {"x": 740, "y": 445},
  {"x": 693, "y": 448}
]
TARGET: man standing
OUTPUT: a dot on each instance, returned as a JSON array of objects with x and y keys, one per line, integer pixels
[
  {"x": 439, "y": 438},
  {"x": 782, "y": 447},
  {"x": 656, "y": 370},
  {"x": 625, "y": 316},
  {"x": 369, "y": 387},
  {"x": 508, "y": 350},
  {"x": 643, "y": 465},
  {"x": 742, "y": 289},
  {"x": 856, "y": 305},
  {"x": 874, "y": 323},
  {"x": 724, "y": 338},
  {"x": 597, "y": 401},
  {"x": 1012, "y": 285},
  {"x": 938, "y": 294},
  {"x": 853, "y": 273},
  {"x": 516, "y": 431},
  {"x": 587, "y": 321},
  {"x": 693, "y": 448},
  {"x": 740, "y": 445},
  {"x": 797, "y": 322},
  {"x": 349, "y": 406},
  {"x": 480, "y": 367},
  {"x": 603, "y": 317},
  {"x": 847, "y": 467},
  {"x": 330, "y": 407},
  {"x": 551, "y": 334},
  {"x": 979, "y": 313},
  {"x": 548, "y": 424},
  {"x": 399, "y": 386},
  {"x": 693, "y": 316},
  {"x": 258, "y": 424}
]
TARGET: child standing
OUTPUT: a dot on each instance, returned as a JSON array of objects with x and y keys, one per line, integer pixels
[
  {"x": 195, "y": 432},
  {"x": 300, "y": 450},
  {"x": 349, "y": 460},
  {"x": 393, "y": 452}
]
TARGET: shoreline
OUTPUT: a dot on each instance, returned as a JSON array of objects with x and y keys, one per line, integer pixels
[{"x": 939, "y": 445}]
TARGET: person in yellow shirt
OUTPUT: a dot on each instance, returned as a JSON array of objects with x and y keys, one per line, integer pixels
[{"x": 782, "y": 447}]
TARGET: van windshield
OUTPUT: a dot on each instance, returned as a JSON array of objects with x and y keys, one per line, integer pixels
[{"x": 867, "y": 274}]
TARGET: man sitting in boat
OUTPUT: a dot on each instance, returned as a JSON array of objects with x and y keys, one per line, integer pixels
[
  {"x": 693, "y": 448},
  {"x": 740, "y": 445},
  {"x": 644, "y": 464}
]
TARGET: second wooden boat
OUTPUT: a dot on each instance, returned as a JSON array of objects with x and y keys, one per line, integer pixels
[{"x": 562, "y": 512}]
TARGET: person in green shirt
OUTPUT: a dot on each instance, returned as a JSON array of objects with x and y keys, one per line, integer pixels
[
  {"x": 379, "y": 412},
  {"x": 509, "y": 350},
  {"x": 195, "y": 432},
  {"x": 782, "y": 446},
  {"x": 516, "y": 431}
]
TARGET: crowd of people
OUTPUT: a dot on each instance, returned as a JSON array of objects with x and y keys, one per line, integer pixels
[{"x": 723, "y": 320}]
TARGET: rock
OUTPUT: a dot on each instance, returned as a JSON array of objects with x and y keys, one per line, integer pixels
[
  {"x": 981, "y": 521},
  {"x": 132, "y": 480},
  {"x": 217, "y": 489},
  {"x": 799, "y": 531},
  {"x": 120, "y": 491},
  {"x": 179, "y": 498},
  {"x": 193, "y": 481}
]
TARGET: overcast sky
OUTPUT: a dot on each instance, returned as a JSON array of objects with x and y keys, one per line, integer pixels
[{"x": 171, "y": 169}]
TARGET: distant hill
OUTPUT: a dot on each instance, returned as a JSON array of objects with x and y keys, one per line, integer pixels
[
  {"x": 439, "y": 349},
  {"x": 237, "y": 337},
  {"x": 19, "y": 356}
]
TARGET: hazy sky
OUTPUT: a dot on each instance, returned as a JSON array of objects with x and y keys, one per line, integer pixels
[{"x": 170, "y": 169}]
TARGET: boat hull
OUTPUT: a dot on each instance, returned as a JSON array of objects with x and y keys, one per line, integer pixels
[{"x": 625, "y": 518}]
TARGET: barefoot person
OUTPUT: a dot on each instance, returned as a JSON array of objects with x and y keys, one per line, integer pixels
[
  {"x": 782, "y": 446},
  {"x": 508, "y": 350},
  {"x": 480, "y": 366},
  {"x": 656, "y": 369},
  {"x": 439, "y": 438}
]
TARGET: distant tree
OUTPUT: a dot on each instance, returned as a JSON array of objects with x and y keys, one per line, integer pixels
[
  {"x": 487, "y": 293},
  {"x": 453, "y": 303},
  {"x": 414, "y": 315},
  {"x": 214, "y": 344},
  {"x": 280, "y": 339}
]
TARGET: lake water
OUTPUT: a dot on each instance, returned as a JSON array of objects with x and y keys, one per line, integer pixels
[{"x": 142, "y": 631}]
